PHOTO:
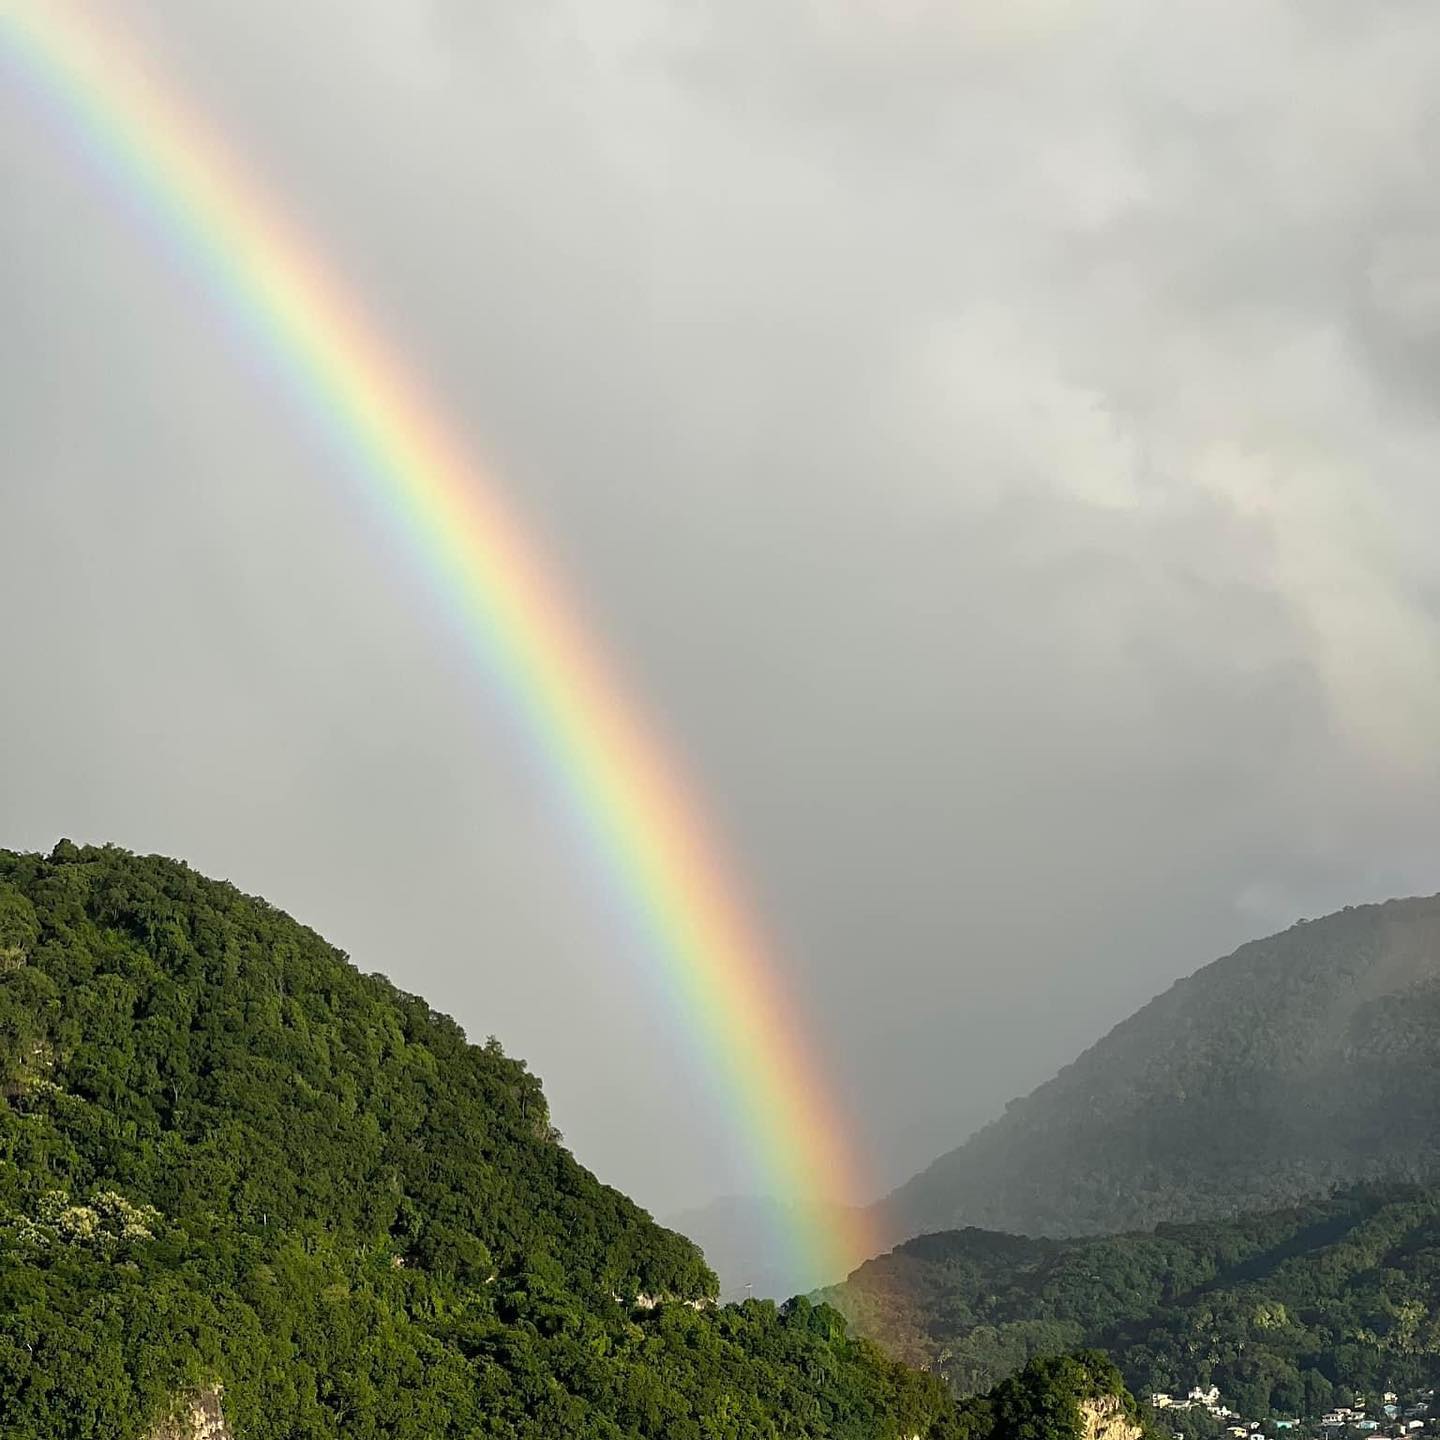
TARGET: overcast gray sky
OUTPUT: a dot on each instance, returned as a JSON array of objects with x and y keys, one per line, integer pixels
[{"x": 1000, "y": 440}]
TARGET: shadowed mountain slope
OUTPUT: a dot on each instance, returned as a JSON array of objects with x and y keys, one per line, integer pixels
[{"x": 1300, "y": 1062}]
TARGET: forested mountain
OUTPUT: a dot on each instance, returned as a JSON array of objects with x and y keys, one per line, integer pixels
[
  {"x": 1304, "y": 1061},
  {"x": 1275, "y": 1308},
  {"x": 234, "y": 1168}
]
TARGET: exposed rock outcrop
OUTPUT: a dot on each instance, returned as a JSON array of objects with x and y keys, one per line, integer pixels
[
  {"x": 197, "y": 1416},
  {"x": 1104, "y": 1418}
]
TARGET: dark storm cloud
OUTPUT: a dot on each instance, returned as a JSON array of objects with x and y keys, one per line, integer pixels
[{"x": 998, "y": 439}]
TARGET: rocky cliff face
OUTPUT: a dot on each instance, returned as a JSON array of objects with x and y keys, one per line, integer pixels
[
  {"x": 198, "y": 1416},
  {"x": 1104, "y": 1418}
]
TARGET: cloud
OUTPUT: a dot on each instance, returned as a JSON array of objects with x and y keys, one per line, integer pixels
[{"x": 998, "y": 439}]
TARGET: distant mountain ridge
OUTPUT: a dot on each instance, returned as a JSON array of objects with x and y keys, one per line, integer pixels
[{"x": 1300, "y": 1062}]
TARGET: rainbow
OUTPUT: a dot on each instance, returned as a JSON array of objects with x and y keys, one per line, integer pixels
[{"x": 639, "y": 815}]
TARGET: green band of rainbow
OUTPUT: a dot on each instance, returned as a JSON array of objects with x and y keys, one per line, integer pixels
[{"x": 616, "y": 776}]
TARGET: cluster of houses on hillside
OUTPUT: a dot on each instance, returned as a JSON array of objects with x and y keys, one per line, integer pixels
[{"x": 1391, "y": 1421}]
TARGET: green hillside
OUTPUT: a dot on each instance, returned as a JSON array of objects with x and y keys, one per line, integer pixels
[
  {"x": 1080, "y": 1396},
  {"x": 1277, "y": 1309},
  {"x": 229, "y": 1159},
  {"x": 1301, "y": 1062}
]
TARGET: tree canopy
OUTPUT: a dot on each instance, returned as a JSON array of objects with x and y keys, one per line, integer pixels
[{"x": 1280, "y": 1309}]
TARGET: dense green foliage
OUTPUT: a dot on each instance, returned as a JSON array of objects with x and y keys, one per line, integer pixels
[
  {"x": 226, "y": 1156},
  {"x": 1301, "y": 1062},
  {"x": 1276, "y": 1309}
]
